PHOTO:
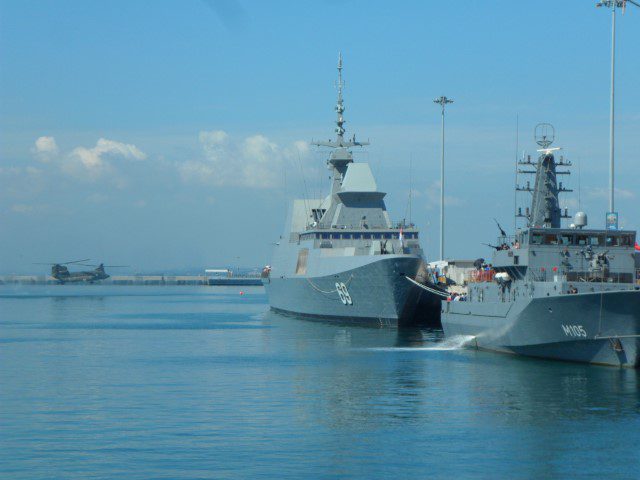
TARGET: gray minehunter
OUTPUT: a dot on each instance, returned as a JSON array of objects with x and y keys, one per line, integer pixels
[
  {"x": 553, "y": 292},
  {"x": 341, "y": 257}
]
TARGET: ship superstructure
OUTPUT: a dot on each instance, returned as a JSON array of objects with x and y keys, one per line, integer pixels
[
  {"x": 342, "y": 257},
  {"x": 564, "y": 293}
]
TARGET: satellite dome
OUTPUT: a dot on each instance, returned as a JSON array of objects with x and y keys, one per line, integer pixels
[{"x": 580, "y": 220}]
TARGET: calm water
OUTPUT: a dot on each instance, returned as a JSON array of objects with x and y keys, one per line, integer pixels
[{"x": 146, "y": 382}]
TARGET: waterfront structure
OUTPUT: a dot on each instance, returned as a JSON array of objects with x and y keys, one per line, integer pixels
[
  {"x": 341, "y": 257},
  {"x": 553, "y": 292},
  {"x": 613, "y": 5},
  {"x": 442, "y": 101}
]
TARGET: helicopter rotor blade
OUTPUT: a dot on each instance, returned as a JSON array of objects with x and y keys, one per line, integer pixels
[
  {"x": 75, "y": 261},
  {"x": 105, "y": 266},
  {"x": 61, "y": 263}
]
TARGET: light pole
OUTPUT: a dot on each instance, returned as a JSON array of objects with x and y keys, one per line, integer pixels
[
  {"x": 442, "y": 101},
  {"x": 613, "y": 4}
]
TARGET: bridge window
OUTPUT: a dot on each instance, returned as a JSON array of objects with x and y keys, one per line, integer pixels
[
  {"x": 325, "y": 236},
  {"x": 367, "y": 236},
  {"x": 536, "y": 238},
  {"x": 551, "y": 239},
  {"x": 346, "y": 236},
  {"x": 566, "y": 239},
  {"x": 357, "y": 236},
  {"x": 377, "y": 236},
  {"x": 387, "y": 236},
  {"x": 596, "y": 240},
  {"x": 593, "y": 240},
  {"x": 317, "y": 213},
  {"x": 618, "y": 240}
]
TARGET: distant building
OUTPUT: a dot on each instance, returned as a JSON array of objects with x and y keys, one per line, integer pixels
[{"x": 215, "y": 273}]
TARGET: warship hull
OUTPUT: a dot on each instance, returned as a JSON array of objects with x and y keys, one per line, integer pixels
[
  {"x": 374, "y": 293},
  {"x": 600, "y": 327}
]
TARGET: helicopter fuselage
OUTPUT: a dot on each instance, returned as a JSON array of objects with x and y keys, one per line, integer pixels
[{"x": 62, "y": 275}]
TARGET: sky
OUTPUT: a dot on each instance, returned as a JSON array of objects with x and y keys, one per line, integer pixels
[{"x": 172, "y": 135}]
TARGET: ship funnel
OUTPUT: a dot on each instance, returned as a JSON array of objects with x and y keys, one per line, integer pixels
[{"x": 580, "y": 220}]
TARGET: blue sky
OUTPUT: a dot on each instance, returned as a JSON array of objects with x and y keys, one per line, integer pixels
[{"x": 173, "y": 134}]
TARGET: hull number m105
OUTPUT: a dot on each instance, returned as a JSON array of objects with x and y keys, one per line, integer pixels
[
  {"x": 574, "y": 331},
  {"x": 343, "y": 293}
]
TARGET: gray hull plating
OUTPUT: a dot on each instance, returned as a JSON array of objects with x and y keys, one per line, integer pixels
[
  {"x": 601, "y": 328},
  {"x": 378, "y": 292}
]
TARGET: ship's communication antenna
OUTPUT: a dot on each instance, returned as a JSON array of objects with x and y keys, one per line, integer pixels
[{"x": 545, "y": 134}]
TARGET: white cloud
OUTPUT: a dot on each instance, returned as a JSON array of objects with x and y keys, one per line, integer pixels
[
  {"x": 45, "y": 149},
  {"x": 10, "y": 171},
  {"x": 97, "y": 198},
  {"x": 571, "y": 203},
  {"x": 92, "y": 163},
  {"x": 254, "y": 162},
  {"x": 22, "y": 208},
  {"x": 600, "y": 192},
  {"x": 432, "y": 194}
]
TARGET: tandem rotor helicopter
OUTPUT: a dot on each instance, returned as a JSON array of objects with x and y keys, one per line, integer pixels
[{"x": 61, "y": 272}]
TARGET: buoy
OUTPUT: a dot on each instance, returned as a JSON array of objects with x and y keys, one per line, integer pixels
[{"x": 241, "y": 292}]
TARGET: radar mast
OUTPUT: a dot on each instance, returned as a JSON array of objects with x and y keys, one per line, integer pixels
[
  {"x": 340, "y": 156},
  {"x": 545, "y": 207}
]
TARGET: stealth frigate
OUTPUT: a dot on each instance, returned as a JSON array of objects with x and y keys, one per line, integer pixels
[
  {"x": 553, "y": 292},
  {"x": 342, "y": 258}
]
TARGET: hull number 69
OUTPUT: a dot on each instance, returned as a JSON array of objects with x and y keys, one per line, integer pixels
[{"x": 343, "y": 293}]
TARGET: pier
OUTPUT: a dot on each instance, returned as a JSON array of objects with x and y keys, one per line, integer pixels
[{"x": 205, "y": 280}]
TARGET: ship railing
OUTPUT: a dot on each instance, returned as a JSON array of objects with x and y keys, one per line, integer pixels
[
  {"x": 507, "y": 241},
  {"x": 395, "y": 225},
  {"x": 607, "y": 276},
  {"x": 537, "y": 276}
]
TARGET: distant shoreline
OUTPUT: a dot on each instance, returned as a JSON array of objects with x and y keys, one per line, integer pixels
[{"x": 151, "y": 280}]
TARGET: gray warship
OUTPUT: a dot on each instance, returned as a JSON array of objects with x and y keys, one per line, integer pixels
[
  {"x": 341, "y": 257},
  {"x": 552, "y": 292}
]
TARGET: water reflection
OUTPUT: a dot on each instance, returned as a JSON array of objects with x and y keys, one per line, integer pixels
[
  {"x": 320, "y": 398},
  {"x": 417, "y": 337},
  {"x": 372, "y": 377}
]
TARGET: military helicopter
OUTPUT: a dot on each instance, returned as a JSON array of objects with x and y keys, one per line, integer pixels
[{"x": 61, "y": 272}]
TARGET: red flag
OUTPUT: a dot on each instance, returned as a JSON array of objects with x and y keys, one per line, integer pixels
[{"x": 637, "y": 247}]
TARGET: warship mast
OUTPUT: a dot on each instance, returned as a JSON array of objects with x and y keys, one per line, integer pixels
[
  {"x": 341, "y": 156},
  {"x": 545, "y": 207}
]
